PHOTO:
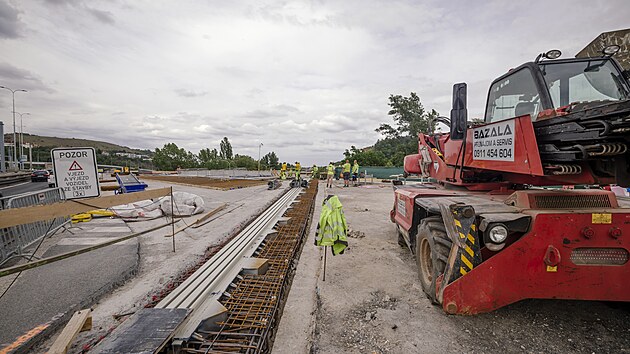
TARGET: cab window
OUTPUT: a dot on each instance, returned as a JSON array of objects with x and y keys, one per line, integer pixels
[
  {"x": 513, "y": 96},
  {"x": 583, "y": 81}
]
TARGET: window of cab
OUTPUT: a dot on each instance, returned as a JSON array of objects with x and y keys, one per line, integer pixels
[
  {"x": 583, "y": 81},
  {"x": 513, "y": 96}
]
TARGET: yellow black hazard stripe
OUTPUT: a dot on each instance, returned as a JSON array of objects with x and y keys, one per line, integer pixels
[{"x": 468, "y": 256}]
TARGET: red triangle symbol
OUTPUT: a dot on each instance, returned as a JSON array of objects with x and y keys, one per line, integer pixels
[{"x": 75, "y": 167}]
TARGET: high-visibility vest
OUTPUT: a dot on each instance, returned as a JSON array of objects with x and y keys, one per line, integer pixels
[
  {"x": 355, "y": 168},
  {"x": 284, "y": 166},
  {"x": 331, "y": 169},
  {"x": 298, "y": 167},
  {"x": 314, "y": 170},
  {"x": 346, "y": 167},
  {"x": 332, "y": 228}
]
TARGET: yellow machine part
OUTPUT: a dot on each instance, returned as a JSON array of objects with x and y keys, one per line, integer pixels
[
  {"x": 101, "y": 213},
  {"x": 83, "y": 217}
]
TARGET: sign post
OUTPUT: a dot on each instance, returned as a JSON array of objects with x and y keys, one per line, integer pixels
[{"x": 76, "y": 172}]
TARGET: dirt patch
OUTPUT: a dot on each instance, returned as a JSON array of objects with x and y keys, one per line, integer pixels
[
  {"x": 372, "y": 302},
  {"x": 222, "y": 184}
]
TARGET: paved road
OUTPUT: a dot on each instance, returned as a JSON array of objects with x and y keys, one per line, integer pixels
[
  {"x": 23, "y": 187},
  {"x": 60, "y": 288}
]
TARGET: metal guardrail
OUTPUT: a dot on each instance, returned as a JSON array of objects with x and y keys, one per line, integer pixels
[
  {"x": 16, "y": 239},
  {"x": 7, "y": 179}
]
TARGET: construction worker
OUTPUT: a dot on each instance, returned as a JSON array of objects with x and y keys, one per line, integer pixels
[
  {"x": 330, "y": 175},
  {"x": 355, "y": 173},
  {"x": 298, "y": 170},
  {"x": 314, "y": 172},
  {"x": 332, "y": 228},
  {"x": 346, "y": 173}
]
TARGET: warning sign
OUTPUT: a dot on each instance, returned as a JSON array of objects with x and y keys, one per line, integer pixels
[
  {"x": 494, "y": 142},
  {"x": 75, "y": 172},
  {"x": 75, "y": 167}
]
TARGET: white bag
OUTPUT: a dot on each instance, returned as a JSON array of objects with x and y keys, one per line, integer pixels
[{"x": 185, "y": 204}]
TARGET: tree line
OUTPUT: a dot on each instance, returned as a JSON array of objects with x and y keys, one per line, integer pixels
[
  {"x": 171, "y": 157},
  {"x": 399, "y": 140}
]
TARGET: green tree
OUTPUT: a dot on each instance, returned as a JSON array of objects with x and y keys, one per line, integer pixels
[
  {"x": 244, "y": 161},
  {"x": 170, "y": 157},
  {"x": 270, "y": 160},
  {"x": 207, "y": 156},
  {"x": 370, "y": 158},
  {"x": 409, "y": 116},
  {"x": 226, "y": 149}
]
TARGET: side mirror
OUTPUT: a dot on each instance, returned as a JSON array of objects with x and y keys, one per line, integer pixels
[{"x": 459, "y": 113}]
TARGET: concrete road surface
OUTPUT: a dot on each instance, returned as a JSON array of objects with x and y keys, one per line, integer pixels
[
  {"x": 66, "y": 286},
  {"x": 23, "y": 187}
]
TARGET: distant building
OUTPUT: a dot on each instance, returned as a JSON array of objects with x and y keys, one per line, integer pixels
[{"x": 130, "y": 155}]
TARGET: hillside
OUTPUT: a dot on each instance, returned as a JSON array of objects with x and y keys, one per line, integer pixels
[{"x": 53, "y": 142}]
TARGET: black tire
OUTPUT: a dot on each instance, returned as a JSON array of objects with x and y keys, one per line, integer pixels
[{"x": 432, "y": 249}]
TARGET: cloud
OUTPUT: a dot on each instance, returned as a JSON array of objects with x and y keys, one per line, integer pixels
[
  {"x": 105, "y": 17},
  {"x": 282, "y": 110},
  {"x": 190, "y": 93},
  {"x": 17, "y": 78},
  {"x": 10, "y": 24},
  {"x": 306, "y": 78},
  {"x": 102, "y": 16}
]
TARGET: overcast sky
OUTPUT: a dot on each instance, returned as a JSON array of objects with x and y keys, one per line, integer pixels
[{"x": 307, "y": 79}]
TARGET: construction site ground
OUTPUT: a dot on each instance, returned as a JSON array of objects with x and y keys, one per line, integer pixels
[
  {"x": 372, "y": 302},
  {"x": 154, "y": 264},
  {"x": 214, "y": 183}
]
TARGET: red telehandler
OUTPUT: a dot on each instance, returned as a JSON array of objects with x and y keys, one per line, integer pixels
[{"x": 493, "y": 229}]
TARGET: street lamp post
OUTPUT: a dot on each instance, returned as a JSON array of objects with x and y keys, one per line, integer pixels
[
  {"x": 14, "y": 140},
  {"x": 259, "y": 146},
  {"x": 22, "y": 137}
]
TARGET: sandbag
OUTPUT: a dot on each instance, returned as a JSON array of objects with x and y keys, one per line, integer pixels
[
  {"x": 184, "y": 204},
  {"x": 140, "y": 209}
]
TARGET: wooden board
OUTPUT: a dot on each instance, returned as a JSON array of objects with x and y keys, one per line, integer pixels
[
  {"x": 199, "y": 221},
  {"x": 19, "y": 216},
  {"x": 80, "y": 321},
  {"x": 147, "y": 331}
]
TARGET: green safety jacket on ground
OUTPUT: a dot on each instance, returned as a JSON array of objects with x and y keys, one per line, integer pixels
[{"x": 332, "y": 228}]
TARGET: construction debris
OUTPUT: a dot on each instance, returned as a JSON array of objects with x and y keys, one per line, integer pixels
[
  {"x": 355, "y": 233},
  {"x": 184, "y": 204},
  {"x": 80, "y": 321}
]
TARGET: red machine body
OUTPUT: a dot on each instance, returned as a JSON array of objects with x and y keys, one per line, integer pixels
[{"x": 488, "y": 233}]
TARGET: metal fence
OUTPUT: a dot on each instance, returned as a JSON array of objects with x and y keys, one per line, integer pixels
[{"x": 15, "y": 240}]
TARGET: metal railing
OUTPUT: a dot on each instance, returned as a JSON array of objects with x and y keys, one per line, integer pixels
[{"x": 15, "y": 240}]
